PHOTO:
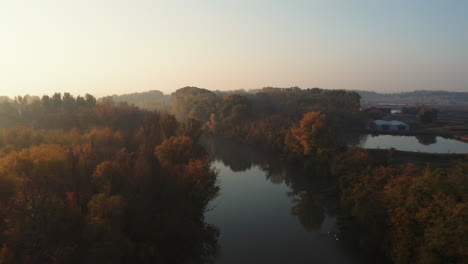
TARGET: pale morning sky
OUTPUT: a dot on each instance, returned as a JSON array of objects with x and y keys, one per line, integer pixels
[{"x": 123, "y": 46}]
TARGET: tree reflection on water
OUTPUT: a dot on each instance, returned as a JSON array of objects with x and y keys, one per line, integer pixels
[
  {"x": 313, "y": 190},
  {"x": 310, "y": 187}
]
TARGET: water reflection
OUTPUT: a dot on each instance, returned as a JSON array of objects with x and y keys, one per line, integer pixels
[
  {"x": 313, "y": 190},
  {"x": 292, "y": 220},
  {"x": 350, "y": 139},
  {"x": 309, "y": 211},
  {"x": 314, "y": 193},
  {"x": 426, "y": 139}
]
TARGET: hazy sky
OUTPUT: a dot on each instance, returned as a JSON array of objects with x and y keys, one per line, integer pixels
[{"x": 122, "y": 46}]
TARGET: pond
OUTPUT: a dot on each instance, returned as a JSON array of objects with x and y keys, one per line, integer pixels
[
  {"x": 423, "y": 143},
  {"x": 268, "y": 212}
]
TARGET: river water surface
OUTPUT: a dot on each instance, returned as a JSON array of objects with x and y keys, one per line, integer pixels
[{"x": 271, "y": 213}]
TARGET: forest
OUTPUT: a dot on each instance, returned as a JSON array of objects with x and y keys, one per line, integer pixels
[
  {"x": 101, "y": 181},
  {"x": 269, "y": 118},
  {"x": 418, "y": 214},
  {"x": 88, "y": 182}
]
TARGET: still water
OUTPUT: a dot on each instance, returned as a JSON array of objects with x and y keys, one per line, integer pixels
[
  {"x": 268, "y": 212},
  {"x": 428, "y": 144}
]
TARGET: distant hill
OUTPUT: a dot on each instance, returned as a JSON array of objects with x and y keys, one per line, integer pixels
[
  {"x": 147, "y": 100},
  {"x": 416, "y": 97}
]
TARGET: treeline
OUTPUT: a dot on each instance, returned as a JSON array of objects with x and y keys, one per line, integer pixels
[
  {"x": 149, "y": 100},
  {"x": 417, "y": 215},
  {"x": 417, "y": 97},
  {"x": 96, "y": 182},
  {"x": 267, "y": 117}
]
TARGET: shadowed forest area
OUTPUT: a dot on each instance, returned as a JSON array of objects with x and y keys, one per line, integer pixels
[
  {"x": 99, "y": 181},
  {"x": 87, "y": 182}
]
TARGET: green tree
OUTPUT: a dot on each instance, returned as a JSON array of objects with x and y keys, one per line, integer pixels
[{"x": 427, "y": 115}]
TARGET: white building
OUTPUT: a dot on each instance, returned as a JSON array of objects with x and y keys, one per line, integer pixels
[{"x": 393, "y": 125}]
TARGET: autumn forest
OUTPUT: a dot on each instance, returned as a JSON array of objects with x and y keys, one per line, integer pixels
[{"x": 86, "y": 180}]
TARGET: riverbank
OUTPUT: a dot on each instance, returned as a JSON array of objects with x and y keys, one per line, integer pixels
[
  {"x": 462, "y": 138},
  {"x": 398, "y": 157}
]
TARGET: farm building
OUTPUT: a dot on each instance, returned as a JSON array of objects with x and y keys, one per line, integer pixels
[{"x": 393, "y": 125}]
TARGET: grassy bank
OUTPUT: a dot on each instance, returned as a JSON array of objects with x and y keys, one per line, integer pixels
[{"x": 396, "y": 157}]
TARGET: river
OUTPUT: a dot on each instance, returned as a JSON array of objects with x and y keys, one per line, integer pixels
[{"x": 268, "y": 212}]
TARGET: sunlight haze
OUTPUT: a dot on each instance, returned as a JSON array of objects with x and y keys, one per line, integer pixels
[{"x": 123, "y": 46}]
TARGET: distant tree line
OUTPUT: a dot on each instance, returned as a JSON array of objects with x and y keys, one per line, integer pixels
[
  {"x": 417, "y": 97},
  {"x": 150, "y": 100},
  {"x": 269, "y": 116}
]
